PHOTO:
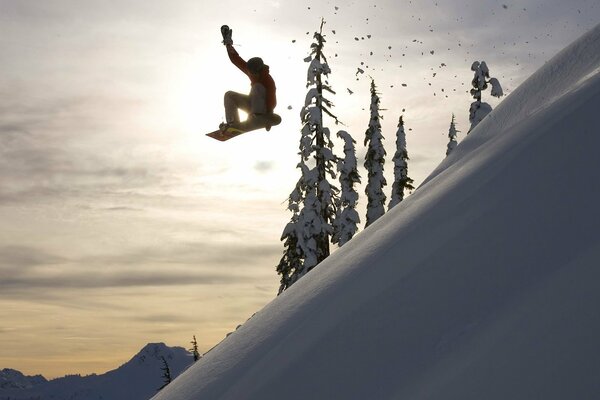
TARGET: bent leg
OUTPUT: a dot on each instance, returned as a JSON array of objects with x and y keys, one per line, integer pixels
[
  {"x": 258, "y": 121},
  {"x": 233, "y": 102}
]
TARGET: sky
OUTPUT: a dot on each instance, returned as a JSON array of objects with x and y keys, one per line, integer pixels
[{"x": 122, "y": 224}]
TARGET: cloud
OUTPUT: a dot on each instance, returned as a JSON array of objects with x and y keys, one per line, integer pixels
[
  {"x": 209, "y": 253},
  {"x": 264, "y": 166},
  {"x": 16, "y": 259},
  {"x": 62, "y": 287},
  {"x": 66, "y": 147},
  {"x": 24, "y": 271},
  {"x": 163, "y": 318},
  {"x": 129, "y": 279},
  {"x": 123, "y": 209}
]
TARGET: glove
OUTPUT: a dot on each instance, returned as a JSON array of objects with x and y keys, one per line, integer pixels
[{"x": 226, "y": 33}]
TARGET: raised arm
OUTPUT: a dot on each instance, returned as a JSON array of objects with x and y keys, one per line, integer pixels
[{"x": 237, "y": 60}]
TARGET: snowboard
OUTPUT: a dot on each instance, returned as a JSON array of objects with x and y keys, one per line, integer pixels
[
  {"x": 227, "y": 134},
  {"x": 247, "y": 126}
]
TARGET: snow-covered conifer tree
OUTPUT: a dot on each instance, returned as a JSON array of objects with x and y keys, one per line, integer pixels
[
  {"x": 313, "y": 199},
  {"x": 347, "y": 219},
  {"x": 374, "y": 162},
  {"x": 479, "y": 110},
  {"x": 401, "y": 180},
  {"x": 452, "y": 132},
  {"x": 292, "y": 256}
]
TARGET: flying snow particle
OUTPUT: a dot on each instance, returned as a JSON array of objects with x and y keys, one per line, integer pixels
[
  {"x": 349, "y": 91},
  {"x": 289, "y": 107},
  {"x": 404, "y": 84},
  {"x": 360, "y": 71}
]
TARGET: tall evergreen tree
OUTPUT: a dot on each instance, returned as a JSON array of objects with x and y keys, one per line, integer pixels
[
  {"x": 452, "y": 136},
  {"x": 347, "y": 219},
  {"x": 292, "y": 255},
  {"x": 194, "y": 349},
  {"x": 313, "y": 200},
  {"x": 166, "y": 373},
  {"x": 401, "y": 180},
  {"x": 374, "y": 162},
  {"x": 479, "y": 110}
]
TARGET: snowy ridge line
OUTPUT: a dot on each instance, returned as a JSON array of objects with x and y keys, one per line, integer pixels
[
  {"x": 588, "y": 77},
  {"x": 567, "y": 70}
]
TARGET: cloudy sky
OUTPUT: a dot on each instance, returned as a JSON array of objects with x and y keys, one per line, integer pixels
[{"x": 122, "y": 224}]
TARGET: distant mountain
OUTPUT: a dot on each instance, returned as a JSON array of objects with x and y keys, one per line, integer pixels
[
  {"x": 13, "y": 379},
  {"x": 137, "y": 379}
]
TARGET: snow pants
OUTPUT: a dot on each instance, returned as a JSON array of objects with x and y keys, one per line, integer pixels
[{"x": 254, "y": 104}]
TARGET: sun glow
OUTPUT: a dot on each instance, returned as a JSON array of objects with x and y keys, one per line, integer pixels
[{"x": 195, "y": 105}]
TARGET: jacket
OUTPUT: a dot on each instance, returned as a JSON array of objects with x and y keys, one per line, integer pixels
[{"x": 265, "y": 77}]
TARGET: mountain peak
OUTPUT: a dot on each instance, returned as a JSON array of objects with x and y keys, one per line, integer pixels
[
  {"x": 153, "y": 353},
  {"x": 137, "y": 379},
  {"x": 13, "y": 379}
]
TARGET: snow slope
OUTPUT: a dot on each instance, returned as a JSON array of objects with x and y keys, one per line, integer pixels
[
  {"x": 483, "y": 284},
  {"x": 138, "y": 379}
]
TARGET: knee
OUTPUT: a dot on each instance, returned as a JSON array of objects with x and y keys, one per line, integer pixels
[
  {"x": 276, "y": 120},
  {"x": 229, "y": 95}
]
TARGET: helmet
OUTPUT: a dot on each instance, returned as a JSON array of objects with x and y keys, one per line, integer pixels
[{"x": 255, "y": 65}]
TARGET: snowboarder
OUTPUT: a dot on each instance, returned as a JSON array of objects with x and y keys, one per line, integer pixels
[{"x": 261, "y": 101}]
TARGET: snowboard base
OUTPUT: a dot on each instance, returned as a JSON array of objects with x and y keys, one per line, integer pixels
[
  {"x": 246, "y": 126},
  {"x": 229, "y": 133}
]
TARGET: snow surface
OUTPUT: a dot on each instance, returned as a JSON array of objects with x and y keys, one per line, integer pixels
[
  {"x": 483, "y": 284},
  {"x": 138, "y": 379}
]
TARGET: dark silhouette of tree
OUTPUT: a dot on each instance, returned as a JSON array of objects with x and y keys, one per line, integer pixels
[
  {"x": 166, "y": 374},
  {"x": 194, "y": 349}
]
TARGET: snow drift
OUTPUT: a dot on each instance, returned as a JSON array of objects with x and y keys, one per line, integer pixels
[{"x": 484, "y": 284}]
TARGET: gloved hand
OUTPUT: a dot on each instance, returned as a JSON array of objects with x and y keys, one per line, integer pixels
[{"x": 226, "y": 33}]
